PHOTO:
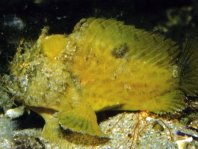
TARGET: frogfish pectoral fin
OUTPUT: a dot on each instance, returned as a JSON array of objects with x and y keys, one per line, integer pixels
[
  {"x": 81, "y": 119},
  {"x": 52, "y": 131}
]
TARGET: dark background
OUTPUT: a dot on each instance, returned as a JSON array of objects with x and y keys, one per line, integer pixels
[{"x": 25, "y": 18}]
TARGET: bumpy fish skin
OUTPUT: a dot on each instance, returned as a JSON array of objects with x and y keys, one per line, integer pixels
[
  {"x": 103, "y": 64},
  {"x": 38, "y": 80}
]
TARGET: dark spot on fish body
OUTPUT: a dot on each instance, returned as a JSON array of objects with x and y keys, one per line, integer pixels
[{"x": 120, "y": 51}]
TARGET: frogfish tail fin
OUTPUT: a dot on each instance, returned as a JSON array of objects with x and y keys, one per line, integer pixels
[{"x": 189, "y": 68}]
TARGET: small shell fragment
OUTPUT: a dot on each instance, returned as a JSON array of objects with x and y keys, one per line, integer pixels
[{"x": 15, "y": 112}]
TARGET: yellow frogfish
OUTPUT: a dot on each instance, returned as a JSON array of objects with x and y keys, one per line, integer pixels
[{"x": 102, "y": 65}]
